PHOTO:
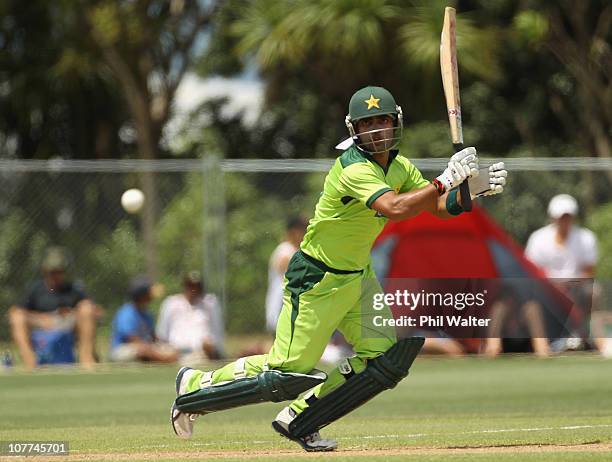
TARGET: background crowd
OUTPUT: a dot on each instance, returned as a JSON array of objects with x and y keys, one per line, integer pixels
[
  {"x": 55, "y": 322},
  {"x": 222, "y": 81}
]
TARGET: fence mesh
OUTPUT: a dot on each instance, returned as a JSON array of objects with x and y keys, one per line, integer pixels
[{"x": 223, "y": 218}]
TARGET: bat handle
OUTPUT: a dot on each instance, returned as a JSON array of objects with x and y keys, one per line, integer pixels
[{"x": 464, "y": 188}]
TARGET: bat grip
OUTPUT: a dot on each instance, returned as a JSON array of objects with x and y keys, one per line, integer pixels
[{"x": 464, "y": 188}]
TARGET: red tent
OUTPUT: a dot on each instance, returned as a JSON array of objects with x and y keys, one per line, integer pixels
[
  {"x": 479, "y": 248},
  {"x": 423, "y": 245}
]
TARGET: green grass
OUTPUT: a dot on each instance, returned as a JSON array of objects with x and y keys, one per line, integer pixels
[{"x": 444, "y": 403}]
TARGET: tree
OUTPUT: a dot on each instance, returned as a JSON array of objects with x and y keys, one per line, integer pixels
[
  {"x": 147, "y": 46},
  {"x": 313, "y": 54},
  {"x": 53, "y": 102},
  {"x": 580, "y": 34},
  {"x": 76, "y": 74}
]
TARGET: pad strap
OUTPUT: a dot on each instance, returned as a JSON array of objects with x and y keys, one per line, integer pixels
[
  {"x": 346, "y": 369},
  {"x": 206, "y": 379},
  {"x": 240, "y": 368}
]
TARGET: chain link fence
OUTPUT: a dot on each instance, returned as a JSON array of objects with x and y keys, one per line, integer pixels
[
  {"x": 77, "y": 205},
  {"x": 223, "y": 218}
]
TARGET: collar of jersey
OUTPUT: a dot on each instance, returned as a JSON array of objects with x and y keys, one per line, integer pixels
[{"x": 392, "y": 155}]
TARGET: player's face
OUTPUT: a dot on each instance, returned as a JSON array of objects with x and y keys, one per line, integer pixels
[{"x": 376, "y": 134}]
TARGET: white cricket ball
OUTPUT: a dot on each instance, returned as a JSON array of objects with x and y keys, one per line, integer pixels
[{"x": 132, "y": 200}]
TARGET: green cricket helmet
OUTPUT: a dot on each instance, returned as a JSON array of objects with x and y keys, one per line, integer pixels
[{"x": 370, "y": 102}]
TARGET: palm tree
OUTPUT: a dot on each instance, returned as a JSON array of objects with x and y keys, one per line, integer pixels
[
  {"x": 328, "y": 48},
  {"x": 365, "y": 36}
]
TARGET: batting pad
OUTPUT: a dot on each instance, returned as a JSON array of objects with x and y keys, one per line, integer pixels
[
  {"x": 381, "y": 373},
  {"x": 272, "y": 386}
]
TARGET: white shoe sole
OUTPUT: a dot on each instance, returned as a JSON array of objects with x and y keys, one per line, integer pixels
[{"x": 173, "y": 417}]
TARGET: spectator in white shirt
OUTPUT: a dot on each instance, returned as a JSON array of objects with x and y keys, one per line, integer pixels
[
  {"x": 562, "y": 249},
  {"x": 564, "y": 252},
  {"x": 192, "y": 321}
]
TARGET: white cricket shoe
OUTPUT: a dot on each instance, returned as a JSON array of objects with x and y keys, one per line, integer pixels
[
  {"x": 182, "y": 379},
  {"x": 311, "y": 443},
  {"x": 182, "y": 422}
]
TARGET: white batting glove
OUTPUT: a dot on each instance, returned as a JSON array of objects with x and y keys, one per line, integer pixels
[
  {"x": 469, "y": 157},
  {"x": 462, "y": 165},
  {"x": 497, "y": 181},
  {"x": 451, "y": 177}
]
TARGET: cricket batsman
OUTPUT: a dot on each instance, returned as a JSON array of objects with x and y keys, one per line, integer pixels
[{"x": 328, "y": 283}]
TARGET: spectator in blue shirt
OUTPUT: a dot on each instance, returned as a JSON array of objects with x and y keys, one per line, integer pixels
[{"x": 133, "y": 336}]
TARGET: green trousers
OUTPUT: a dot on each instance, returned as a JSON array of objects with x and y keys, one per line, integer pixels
[{"x": 317, "y": 301}]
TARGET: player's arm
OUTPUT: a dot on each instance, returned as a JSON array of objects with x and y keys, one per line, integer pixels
[
  {"x": 409, "y": 204},
  {"x": 589, "y": 254},
  {"x": 281, "y": 263},
  {"x": 441, "y": 198}
]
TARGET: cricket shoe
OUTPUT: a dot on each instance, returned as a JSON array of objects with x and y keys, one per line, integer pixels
[
  {"x": 182, "y": 422},
  {"x": 311, "y": 443}
]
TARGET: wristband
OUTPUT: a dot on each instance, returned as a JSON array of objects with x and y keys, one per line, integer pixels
[
  {"x": 439, "y": 186},
  {"x": 452, "y": 206}
]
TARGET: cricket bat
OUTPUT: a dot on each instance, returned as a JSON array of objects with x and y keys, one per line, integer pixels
[{"x": 450, "y": 81}]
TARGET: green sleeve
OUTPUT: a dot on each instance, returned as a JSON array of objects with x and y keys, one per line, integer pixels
[
  {"x": 360, "y": 182},
  {"x": 414, "y": 179}
]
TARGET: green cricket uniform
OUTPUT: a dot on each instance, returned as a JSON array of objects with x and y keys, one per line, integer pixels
[
  {"x": 344, "y": 227},
  {"x": 329, "y": 278}
]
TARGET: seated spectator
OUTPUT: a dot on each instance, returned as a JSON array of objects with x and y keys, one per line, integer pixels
[
  {"x": 191, "y": 321},
  {"x": 133, "y": 338},
  {"x": 567, "y": 253},
  {"x": 517, "y": 328},
  {"x": 562, "y": 249},
  {"x": 54, "y": 309}
]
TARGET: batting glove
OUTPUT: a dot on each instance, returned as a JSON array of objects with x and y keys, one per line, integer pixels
[
  {"x": 462, "y": 165},
  {"x": 451, "y": 177},
  {"x": 469, "y": 157},
  {"x": 497, "y": 181}
]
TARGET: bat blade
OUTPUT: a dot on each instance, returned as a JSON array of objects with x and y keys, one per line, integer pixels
[{"x": 450, "y": 82}]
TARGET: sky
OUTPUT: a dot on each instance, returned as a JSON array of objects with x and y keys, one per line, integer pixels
[{"x": 244, "y": 95}]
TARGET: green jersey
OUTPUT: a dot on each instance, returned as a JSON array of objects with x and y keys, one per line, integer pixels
[{"x": 344, "y": 227}]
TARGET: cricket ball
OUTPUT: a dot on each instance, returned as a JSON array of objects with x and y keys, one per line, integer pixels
[{"x": 132, "y": 200}]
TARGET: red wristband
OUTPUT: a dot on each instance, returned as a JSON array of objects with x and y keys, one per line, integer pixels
[{"x": 439, "y": 186}]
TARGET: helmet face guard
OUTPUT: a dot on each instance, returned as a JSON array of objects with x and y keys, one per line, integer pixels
[{"x": 378, "y": 140}]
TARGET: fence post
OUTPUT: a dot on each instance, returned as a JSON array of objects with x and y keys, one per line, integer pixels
[{"x": 214, "y": 228}]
